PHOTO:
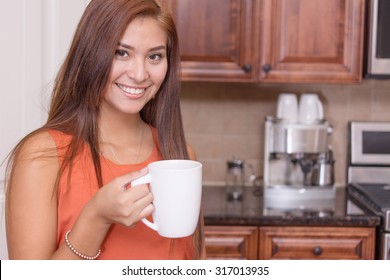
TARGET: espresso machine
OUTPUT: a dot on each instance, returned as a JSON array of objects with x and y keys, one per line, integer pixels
[{"x": 298, "y": 165}]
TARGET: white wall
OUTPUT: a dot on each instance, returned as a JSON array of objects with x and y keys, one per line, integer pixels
[{"x": 35, "y": 36}]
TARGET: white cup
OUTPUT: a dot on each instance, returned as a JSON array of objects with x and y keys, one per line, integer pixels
[
  {"x": 177, "y": 189},
  {"x": 287, "y": 107},
  {"x": 310, "y": 109}
]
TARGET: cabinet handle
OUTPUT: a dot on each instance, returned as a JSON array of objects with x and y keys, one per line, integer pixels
[
  {"x": 267, "y": 68},
  {"x": 247, "y": 68},
  {"x": 317, "y": 250}
]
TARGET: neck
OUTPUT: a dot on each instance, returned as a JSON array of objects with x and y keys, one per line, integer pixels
[
  {"x": 121, "y": 138},
  {"x": 121, "y": 129}
]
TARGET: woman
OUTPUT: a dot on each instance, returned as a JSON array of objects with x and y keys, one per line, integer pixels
[{"x": 115, "y": 108}]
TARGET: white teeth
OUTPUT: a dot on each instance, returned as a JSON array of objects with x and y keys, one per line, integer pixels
[{"x": 134, "y": 91}]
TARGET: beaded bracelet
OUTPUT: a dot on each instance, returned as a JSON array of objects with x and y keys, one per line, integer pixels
[{"x": 77, "y": 252}]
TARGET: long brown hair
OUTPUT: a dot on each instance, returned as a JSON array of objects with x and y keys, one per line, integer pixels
[{"x": 80, "y": 83}]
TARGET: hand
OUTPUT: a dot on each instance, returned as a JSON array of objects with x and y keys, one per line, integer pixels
[{"x": 117, "y": 202}]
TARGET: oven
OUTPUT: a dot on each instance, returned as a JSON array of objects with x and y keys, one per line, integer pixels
[{"x": 369, "y": 175}]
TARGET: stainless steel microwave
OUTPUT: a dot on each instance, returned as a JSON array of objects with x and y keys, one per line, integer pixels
[
  {"x": 378, "y": 58},
  {"x": 369, "y": 143}
]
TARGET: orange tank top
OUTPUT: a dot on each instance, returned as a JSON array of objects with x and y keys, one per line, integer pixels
[{"x": 121, "y": 243}]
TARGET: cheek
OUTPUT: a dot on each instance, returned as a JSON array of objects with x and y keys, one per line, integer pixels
[
  {"x": 161, "y": 74},
  {"x": 116, "y": 71}
]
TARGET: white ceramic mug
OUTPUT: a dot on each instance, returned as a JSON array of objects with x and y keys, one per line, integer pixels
[
  {"x": 310, "y": 109},
  {"x": 287, "y": 107},
  {"x": 177, "y": 189}
]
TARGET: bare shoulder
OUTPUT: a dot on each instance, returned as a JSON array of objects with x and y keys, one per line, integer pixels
[
  {"x": 38, "y": 146},
  {"x": 191, "y": 152},
  {"x": 36, "y": 157}
]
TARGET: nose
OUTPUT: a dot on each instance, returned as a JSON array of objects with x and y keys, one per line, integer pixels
[{"x": 137, "y": 70}]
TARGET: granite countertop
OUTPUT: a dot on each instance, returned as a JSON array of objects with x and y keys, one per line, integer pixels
[{"x": 253, "y": 210}]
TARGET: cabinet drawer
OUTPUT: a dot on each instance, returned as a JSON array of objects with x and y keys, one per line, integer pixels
[
  {"x": 231, "y": 242},
  {"x": 316, "y": 243}
]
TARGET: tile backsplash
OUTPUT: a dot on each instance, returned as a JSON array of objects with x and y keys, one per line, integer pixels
[{"x": 223, "y": 120}]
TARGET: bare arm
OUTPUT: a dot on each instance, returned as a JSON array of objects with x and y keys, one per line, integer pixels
[
  {"x": 32, "y": 201},
  {"x": 32, "y": 206}
]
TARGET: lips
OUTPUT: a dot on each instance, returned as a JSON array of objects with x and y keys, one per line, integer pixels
[{"x": 131, "y": 90}]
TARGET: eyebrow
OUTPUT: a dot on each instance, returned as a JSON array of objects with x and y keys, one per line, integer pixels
[{"x": 162, "y": 47}]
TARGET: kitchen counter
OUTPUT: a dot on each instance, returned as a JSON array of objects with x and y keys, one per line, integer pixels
[{"x": 340, "y": 211}]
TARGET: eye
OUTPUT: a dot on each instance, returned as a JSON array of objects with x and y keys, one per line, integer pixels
[
  {"x": 121, "y": 53},
  {"x": 156, "y": 57}
]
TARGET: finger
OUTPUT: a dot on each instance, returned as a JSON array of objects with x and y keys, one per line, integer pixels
[
  {"x": 143, "y": 202},
  {"x": 125, "y": 180},
  {"x": 147, "y": 211},
  {"x": 142, "y": 214},
  {"x": 141, "y": 209},
  {"x": 135, "y": 194}
]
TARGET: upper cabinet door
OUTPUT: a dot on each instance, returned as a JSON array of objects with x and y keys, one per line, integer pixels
[
  {"x": 217, "y": 39},
  {"x": 311, "y": 41}
]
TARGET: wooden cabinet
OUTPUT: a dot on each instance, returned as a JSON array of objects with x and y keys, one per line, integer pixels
[
  {"x": 250, "y": 242},
  {"x": 217, "y": 38},
  {"x": 317, "y": 243},
  {"x": 235, "y": 242},
  {"x": 276, "y": 41},
  {"x": 312, "y": 41}
]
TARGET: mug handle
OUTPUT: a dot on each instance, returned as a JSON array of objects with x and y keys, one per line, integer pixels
[{"x": 146, "y": 179}]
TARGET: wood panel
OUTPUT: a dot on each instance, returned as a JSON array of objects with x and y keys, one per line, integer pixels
[
  {"x": 312, "y": 41},
  {"x": 316, "y": 243},
  {"x": 217, "y": 38},
  {"x": 231, "y": 242}
]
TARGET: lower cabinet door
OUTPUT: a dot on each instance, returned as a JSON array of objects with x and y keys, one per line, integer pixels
[
  {"x": 231, "y": 242},
  {"x": 316, "y": 243}
]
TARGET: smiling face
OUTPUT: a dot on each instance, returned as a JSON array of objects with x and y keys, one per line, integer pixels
[{"x": 139, "y": 67}]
